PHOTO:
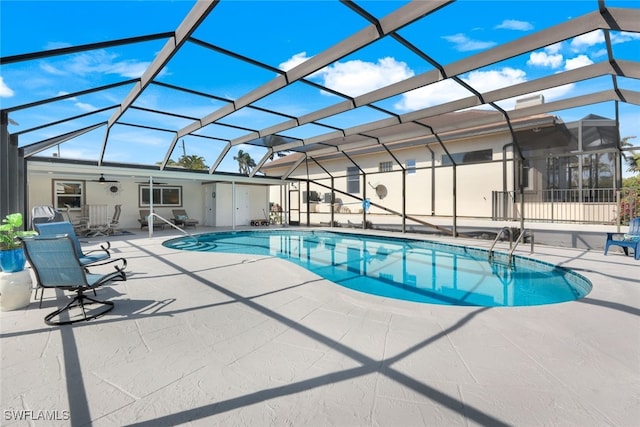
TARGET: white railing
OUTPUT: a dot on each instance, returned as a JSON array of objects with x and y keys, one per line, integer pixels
[{"x": 601, "y": 206}]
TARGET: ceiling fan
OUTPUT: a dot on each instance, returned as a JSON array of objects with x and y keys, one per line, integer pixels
[
  {"x": 103, "y": 180},
  {"x": 154, "y": 182}
]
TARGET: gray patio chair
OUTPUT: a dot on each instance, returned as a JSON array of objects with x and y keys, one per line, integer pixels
[
  {"x": 180, "y": 217},
  {"x": 144, "y": 220},
  {"x": 93, "y": 257},
  {"x": 56, "y": 265}
]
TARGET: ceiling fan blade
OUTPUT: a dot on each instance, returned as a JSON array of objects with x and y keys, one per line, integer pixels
[
  {"x": 103, "y": 180},
  {"x": 154, "y": 182}
]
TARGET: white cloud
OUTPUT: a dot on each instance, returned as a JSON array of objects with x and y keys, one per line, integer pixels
[
  {"x": 512, "y": 24},
  {"x": 577, "y": 62},
  {"x": 50, "y": 69},
  {"x": 294, "y": 61},
  {"x": 85, "y": 107},
  {"x": 356, "y": 77},
  {"x": 99, "y": 61},
  {"x": 543, "y": 59},
  {"x": 558, "y": 92},
  {"x": 485, "y": 81},
  {"x": 623, "y": 37},
  {"x": 464, "y": 44},
  {"x": 585, "y": 41},
  {"x": 5, "y": 91},
  {"x": 448, "y": 90},
  {"x": 554, "y": 48}
]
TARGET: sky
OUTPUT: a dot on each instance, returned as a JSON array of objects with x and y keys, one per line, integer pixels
[{"x": 279, "y": 35}]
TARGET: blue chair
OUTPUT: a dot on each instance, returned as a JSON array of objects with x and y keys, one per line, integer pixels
[
  {"x": 631, "y": 239},
  {"x": 90, "y": 258},
  {"x": 56, "y": 265}
]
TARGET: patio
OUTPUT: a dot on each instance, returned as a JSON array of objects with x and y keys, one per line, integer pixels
[{"x": 196, "y": 339}]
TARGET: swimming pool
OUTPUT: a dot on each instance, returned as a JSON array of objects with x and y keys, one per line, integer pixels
[{"x": 403, "y": 268}]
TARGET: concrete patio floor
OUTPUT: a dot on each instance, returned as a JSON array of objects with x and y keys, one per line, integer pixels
[{"x": 223, "y": 339}]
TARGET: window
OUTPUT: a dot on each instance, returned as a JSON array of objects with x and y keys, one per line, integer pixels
[
  {"x": 353, "y": 180},
  {"x": 162, "y": 196},
  {"x": 469, "y": 157},
  {"x": 67, "y": 192},
  {"x": 385, "y": 167},
  {"x": 411, "y": 166}
]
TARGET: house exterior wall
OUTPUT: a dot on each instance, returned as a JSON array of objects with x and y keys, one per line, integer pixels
[
  {"x": 40, "y": 192},
  {"x": 428, "y": 188}
]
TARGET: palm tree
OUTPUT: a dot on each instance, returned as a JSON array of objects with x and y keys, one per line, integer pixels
[
  {"x": 192, "y": 162},
  {"x": 245, "y": 162},
  {"x": 633, "y": 161}
]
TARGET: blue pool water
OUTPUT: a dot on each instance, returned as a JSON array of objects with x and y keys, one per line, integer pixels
[{"x": 407, "y": 269}]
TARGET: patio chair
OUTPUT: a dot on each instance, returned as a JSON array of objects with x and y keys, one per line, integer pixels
[
  {"x": 42, "y": 214},
  {"x": 80, "y": 224},
  {"x": 99, "y": 221},
  {"x": 56, "y": 265},
  {"x": 631, "y": 239},
  {"x": 114, "y": 224},
  {"x": 144, "y": 220},
  {"x": 93, "y": 257},
  {"x": 180, "y": 217}
]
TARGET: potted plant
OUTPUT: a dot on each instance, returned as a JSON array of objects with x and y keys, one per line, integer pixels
[{"x": 11, "y": 254}]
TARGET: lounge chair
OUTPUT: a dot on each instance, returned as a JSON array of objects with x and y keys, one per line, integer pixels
[
  {"x": 114, "y": 225},
  {"x": 144, "y": 220},
  {"x": 55, "y": 265},
  {"x": 93, "y": 257},
  {"x": 42, "y": 214},
  {"x": 180, "y": 217},
  {"x": 631, "y": 239},
  {"x": 80, "y": 224}
]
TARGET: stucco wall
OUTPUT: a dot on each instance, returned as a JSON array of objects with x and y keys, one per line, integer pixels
[
  {"x": 428, "y": 191},
  {"x": 40, "y": 192}
]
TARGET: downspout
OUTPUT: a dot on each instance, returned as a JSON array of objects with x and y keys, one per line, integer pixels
[
  {"x": 150, "y": 219},
  {"x": 307, "y": 201},
  {"x": 505, "y": 195},
  {"x": 333, "y": 201},
  {"x": 233, "y": 205},
  {"x": 364, "y": 187},
  {"x": 306, "y": 165},
  {"x": 433, "y": 181}
]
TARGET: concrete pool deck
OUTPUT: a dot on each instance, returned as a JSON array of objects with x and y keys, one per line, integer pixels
[{"x": 225, "y": 339}]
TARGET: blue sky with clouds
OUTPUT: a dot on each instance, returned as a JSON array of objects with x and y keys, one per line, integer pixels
[{"x": 278, "y": 34}]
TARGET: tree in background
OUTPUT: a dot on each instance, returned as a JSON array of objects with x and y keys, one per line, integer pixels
[
  {"x": 191, "y": 162},
  {"x": 245, "y": 162},
  {"x": 632, "y": 159}
]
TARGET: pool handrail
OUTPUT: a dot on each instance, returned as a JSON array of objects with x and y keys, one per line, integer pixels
[
  {"x": 512, "y": 245},
  {"x": 502, "y": 230},
  {"x": 522, "y": 236},
  {"x": 170, "y": 223}
]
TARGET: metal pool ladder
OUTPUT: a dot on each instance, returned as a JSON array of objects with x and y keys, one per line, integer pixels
[{"x": 512, "y": 245}]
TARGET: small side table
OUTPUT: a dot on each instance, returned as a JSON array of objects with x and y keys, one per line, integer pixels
[{"x": 15, "y": 290}]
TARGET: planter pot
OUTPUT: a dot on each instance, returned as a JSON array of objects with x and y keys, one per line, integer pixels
[
  {"x": 15, "y": 290},
  {"x": 12, "y": 260}
]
